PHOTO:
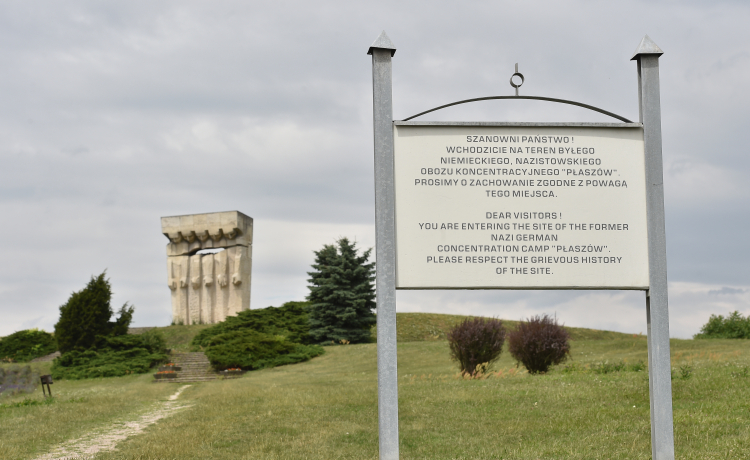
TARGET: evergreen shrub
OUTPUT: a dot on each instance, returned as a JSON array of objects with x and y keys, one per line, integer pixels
[
  {"x": 342, "y": 295},
  {"x": 93, "y": 346},
  {"x": 112, "y": 357},
  {"x": 152, "y": 341},
  {"x": 476, "y": 341},
  {"x": 251, "y": 350},
  {"x": 87, "y": 314},
  {"x": 539, "y": 343},
  {"x": 734, "y": 326},
  {"x": 23, "y": 346},
  {"x": 257, "y": 339},
  {"x": 289, "y": 320}
]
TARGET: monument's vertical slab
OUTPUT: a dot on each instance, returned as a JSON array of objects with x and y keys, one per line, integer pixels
[
  {"x": 178, "y": 283},
  {"x": 207, "y": 289},
  {"x": 209, "y": 264},
  {"x": 222, "y": 298},
  {"x": 239, "y": 267}
]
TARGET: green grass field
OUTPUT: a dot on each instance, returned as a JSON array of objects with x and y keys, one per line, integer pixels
[{"x": 327, "y": 408}]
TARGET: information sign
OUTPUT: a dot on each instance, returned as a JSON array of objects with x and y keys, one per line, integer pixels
[{"x": 521, "y": 206}]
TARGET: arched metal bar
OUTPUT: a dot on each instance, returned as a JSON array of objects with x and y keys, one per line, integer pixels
[{"x": 535, "y": 98}]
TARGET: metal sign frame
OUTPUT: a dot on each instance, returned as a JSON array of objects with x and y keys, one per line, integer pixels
[{"x": 657, "y": 314}]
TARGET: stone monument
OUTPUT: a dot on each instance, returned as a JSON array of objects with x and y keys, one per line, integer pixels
[{"x": 209, "y": 258}]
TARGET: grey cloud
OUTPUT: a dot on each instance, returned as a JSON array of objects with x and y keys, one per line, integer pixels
[
  {"x": 726, "y": 291},
  {"x": 116, "y": 114}
]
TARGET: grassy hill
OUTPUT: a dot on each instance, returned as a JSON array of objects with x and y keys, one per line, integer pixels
[
  {"x": 417, "y": 327},
  {"x": 327, "y": 408},
  {"x": 410, "y": 327}
]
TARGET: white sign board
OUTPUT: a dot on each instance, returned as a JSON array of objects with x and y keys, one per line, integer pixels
[{"x": 487, "y": 206}]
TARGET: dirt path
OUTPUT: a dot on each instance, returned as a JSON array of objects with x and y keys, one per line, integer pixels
[{"x": 106, "y": 439}]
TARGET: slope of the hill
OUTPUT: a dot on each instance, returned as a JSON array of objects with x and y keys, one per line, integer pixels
[
  {"x": 410, "y": 327},
  {"x": 417, "y": 327}
]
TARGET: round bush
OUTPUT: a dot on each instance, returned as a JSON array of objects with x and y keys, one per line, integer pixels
[
  {"x": 539, "y": 343},
  {"x": 476, "y": 341},
  {"x": 23, "y": 346}
]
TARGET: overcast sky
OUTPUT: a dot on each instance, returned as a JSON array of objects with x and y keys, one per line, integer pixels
[{"x": 114, "y": 114}]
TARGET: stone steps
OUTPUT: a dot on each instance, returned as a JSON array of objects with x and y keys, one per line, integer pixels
[{"x": 195, "y": 368}]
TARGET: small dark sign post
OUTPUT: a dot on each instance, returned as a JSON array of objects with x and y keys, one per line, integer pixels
[{"x": 47, "y": 380}]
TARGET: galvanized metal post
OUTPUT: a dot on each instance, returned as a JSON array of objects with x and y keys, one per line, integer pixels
[
  {"x": 382, "y": 50},
  {"x": 659, "y": 365}
]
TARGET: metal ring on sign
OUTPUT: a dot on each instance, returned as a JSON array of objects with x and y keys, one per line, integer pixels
[{"x": 516, "y": 85}]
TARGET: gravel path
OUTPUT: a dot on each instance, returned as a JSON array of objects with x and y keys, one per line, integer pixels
[
  {"x": 107, "y": 439},
  {"x": 48, "y": 357}
]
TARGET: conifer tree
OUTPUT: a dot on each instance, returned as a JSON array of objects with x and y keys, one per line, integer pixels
[
  {"x": 342, "y": 294},
  {"x": 86, "y": 315}
]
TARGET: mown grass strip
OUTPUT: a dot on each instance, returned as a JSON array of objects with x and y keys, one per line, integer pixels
[
  {"x": 31, "y": 426},
  {"x": 327, "y": 408}
]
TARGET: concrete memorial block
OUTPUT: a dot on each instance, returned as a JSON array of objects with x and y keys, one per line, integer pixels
[{"x": 208, "y": 287}]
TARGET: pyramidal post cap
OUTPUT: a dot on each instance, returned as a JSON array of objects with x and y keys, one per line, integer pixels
[
  {"x": 647, "y": 46},
  {"x": 383, "y": 42}
]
